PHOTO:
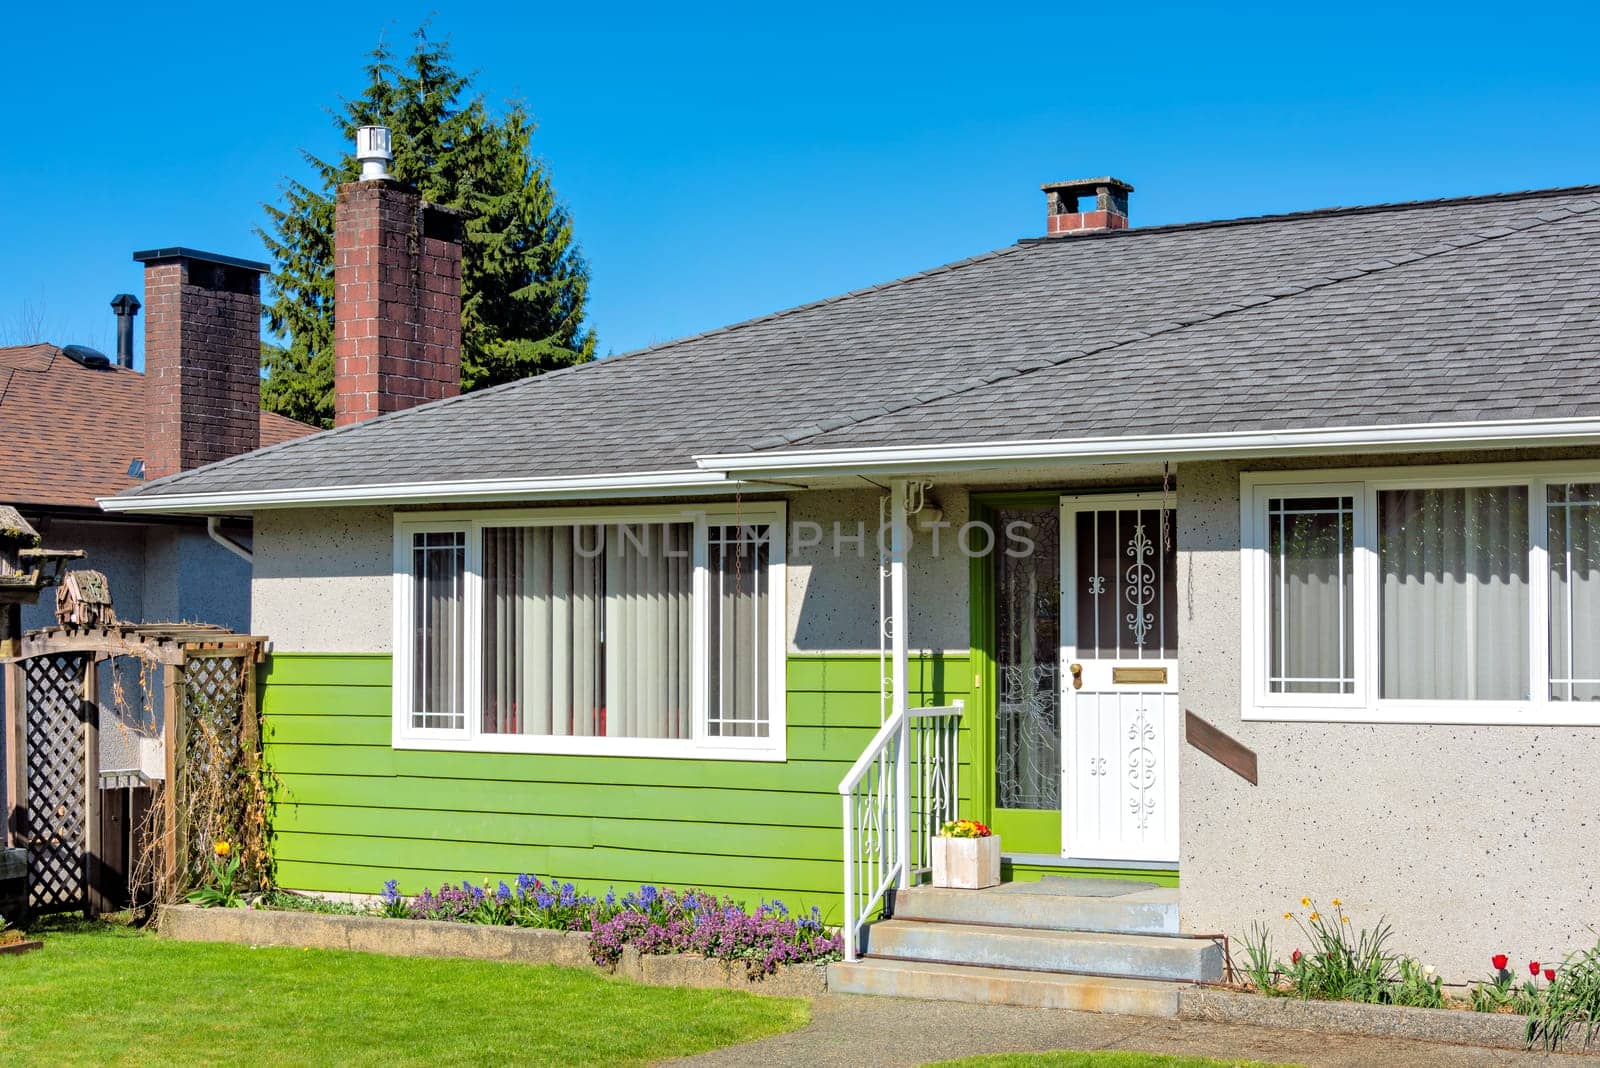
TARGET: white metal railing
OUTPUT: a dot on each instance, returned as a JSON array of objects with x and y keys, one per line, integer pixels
[{"x": 896, "y": 796}]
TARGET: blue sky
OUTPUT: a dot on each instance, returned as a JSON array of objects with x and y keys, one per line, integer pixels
[{"x": 730, "y": 162}]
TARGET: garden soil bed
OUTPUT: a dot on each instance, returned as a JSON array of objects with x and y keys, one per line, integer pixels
[
  {"x": 435, "y": 938},
  {"x": 1495, "y": 1030},
  {"x": 22, "y": 945}
]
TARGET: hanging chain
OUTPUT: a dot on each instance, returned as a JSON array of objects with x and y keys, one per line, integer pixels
[{"x": 1166, "y": 504}]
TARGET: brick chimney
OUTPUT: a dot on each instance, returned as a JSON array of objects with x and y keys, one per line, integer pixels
[
  {"x": 397, "y": 293},
  {"x": 202, "y": 357},
  {"x": 1064, "y": 214}
]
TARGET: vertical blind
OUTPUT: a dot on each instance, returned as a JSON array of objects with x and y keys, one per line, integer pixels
[
  {"x": 1453, "y": 591},
  {"x": 438, "y": 568},
  {"x": 737, "y": 677},
  {"x": 1310, "y": 613},
  {"x": 1574, "y": 538},
  {"x": 588, "y": 630}
]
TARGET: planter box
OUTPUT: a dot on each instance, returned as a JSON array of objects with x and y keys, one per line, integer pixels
[
  {"x": 437, "y": 938},
  {"x": 1500, "y": 1031},
  {"x": 966, "y": 863},
  {"x": 27, "y": 945}
]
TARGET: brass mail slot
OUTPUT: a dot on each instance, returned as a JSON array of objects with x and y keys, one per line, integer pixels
[{"x": 1147, "y": 676}]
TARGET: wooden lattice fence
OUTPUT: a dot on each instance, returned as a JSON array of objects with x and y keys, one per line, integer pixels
[
  {"x": 212, "y": 783},
  {"x": 60, "y": 730}
]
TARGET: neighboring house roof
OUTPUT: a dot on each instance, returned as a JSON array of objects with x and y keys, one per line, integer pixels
[
  {"x": 68, "y": 432},
  {"x": 1464, "y": 310}
]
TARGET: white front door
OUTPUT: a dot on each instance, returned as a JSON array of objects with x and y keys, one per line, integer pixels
[{"x": 1119, "y": 679}]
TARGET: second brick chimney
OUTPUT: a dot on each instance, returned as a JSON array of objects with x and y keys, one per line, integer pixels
[
  {"x": 1064, "y": 206},
  {"x": 202, "y": 357},
  {"x": 397, "y": 299}
]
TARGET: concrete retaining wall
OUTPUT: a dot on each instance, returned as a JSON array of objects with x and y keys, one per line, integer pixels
[
  {"x": 435, "y": 938},
  {"x": 1344, "y": 1017}
]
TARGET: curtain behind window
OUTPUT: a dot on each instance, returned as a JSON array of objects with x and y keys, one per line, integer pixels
[
  {"x": 1574, "y": 522},
  {"x": 649, "y": 630},
  {"x": 1454, "y": 593},
  {"x": 542, "y": 598},
  {"x": 438, "y": 572},
  {"x": 587, "y": 630}
]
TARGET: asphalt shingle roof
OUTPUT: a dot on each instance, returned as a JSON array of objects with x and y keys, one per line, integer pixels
[
  {"x": 1469, "y": 309},
  {"x": 68, "y": 432}
]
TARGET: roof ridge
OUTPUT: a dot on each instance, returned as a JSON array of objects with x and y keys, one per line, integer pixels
[
  {"x": 1279, "y": 292},
  {"x": 1323, "y": 213}
]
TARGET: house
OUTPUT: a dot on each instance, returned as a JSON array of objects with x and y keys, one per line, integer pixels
[
  {"x": 1330, "y": 481},
  {"x": 77, "y": 425}
]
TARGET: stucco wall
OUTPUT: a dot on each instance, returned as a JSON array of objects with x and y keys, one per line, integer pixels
[
  {"x": 833, "y": 584},
  {"x": 322, "y": 578},
  {"x": 1469, "y": 840}
]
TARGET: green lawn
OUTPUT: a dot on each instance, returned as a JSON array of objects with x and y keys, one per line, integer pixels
[
  {"x": 1103, "y": 1059},
  {"x": 109, "y": 995}
]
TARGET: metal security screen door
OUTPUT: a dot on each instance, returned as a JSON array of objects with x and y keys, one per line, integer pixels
[{"x": 1119, "y": 679}]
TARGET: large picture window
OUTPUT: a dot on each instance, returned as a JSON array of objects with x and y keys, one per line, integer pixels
[
  {"x": 1460, "y": 595},
  {"x": 655, "y": 632}
]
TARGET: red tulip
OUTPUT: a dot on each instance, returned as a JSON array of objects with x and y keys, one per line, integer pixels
[
  {"x": 1533, "y": 968},
  {"x": 1294, "y": 958},
  {"x": 1549, "y": 975},
  {"x": 1499, "y": 961}
]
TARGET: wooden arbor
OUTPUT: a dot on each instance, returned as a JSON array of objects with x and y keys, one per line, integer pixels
[{"x": 52, "y": 722}]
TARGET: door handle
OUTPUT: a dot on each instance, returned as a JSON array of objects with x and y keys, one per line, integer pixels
[{"x": 1077, "y": 676}]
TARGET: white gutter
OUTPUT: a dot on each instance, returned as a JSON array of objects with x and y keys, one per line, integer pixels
[
  {"x": 730, "y": 472},
  {"x": 214, "y": 529},
  {"x": 800, "y": 463},
  {"x": 647, "y": 484}
]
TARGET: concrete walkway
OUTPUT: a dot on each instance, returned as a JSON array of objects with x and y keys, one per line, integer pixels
[{"x": 853, "y": 1031}]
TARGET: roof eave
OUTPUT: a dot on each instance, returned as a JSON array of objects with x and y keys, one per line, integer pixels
[
  {"x": 562, "y": 488},
  {"x": 890, "y": 460}
]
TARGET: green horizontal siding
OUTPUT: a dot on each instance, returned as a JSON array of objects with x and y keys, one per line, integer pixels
[{"x": 350, "y": 811}]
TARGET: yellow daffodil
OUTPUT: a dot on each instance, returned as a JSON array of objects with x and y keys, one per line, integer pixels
[
  {"x": 1305, "y": 901},
  {"x": 1288, "y": 915},
  {"x": 1344, "y": 919},
  {"x": 1316, "y": 916},
  {"x": 222, "y": 849},
  {"x": 1337, "y": 902}
]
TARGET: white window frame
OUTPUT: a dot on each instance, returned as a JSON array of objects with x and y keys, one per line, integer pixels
[
  {"x": 1365, "y": 705},
  {"x": 701, "y": 746}
]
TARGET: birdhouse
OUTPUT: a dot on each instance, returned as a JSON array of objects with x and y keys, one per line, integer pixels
[{"x": 15, "y": 536}]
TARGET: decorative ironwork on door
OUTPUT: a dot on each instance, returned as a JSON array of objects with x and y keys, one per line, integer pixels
[{"x": 1124, "y": 606}]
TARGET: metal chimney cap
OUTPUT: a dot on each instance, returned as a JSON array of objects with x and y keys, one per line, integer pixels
[
  {"x": 125, "y": 304},
  {"x": 374, "y": 151}
]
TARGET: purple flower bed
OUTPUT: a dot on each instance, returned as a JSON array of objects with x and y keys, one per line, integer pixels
[{"x": 651, "y": 920}]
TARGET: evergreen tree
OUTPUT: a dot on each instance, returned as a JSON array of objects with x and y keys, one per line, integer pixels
[{"x": 524, "y": 282}]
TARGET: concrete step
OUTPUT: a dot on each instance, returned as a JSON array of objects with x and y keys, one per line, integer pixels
[
  {"x": 1134, "y": 955},
  {"x": 1004, "y": 986},
  {"x": 1151, "y": 910}
]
